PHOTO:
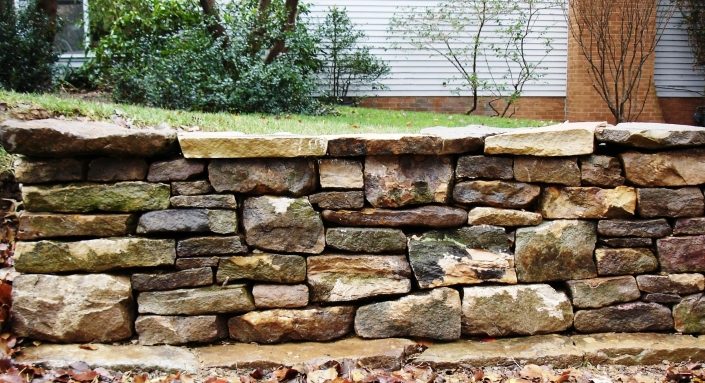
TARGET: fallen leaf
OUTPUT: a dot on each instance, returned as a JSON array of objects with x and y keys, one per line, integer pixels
[{"x": 89, "y": 347}]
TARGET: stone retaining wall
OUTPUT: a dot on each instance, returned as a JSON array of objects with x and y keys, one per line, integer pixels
[{"x": 452, "y": 233}]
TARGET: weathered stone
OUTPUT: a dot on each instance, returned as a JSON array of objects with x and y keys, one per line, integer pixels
[
  {"x": 674, "y": 168},
  {"x": 689, "y": 315},
  {"x": 236, "y": 145},
  {"x": 621, "y": 261},
  {"x": 179, "y": 169},
  {"x": 208, "y": 246},
  {"x": 278, "y": 268},
  {"x": 66, "y": 138},
  {"x": 660, "y": 202},
  {"x": 93, "y": 255},
  {"x": 604, "y": 171},
  {"x": 279, "y": 176},
  {"x": 651, "y": 135},
  {"x": 366, "y": 240},
  {"x": 672, "y": 283},
  {"x": 84, "y": 198},
  {"x": 653, "y": 228},
  {"x": 191, "y": 187},
  {"x": 274, "y": 326},
  {"x": 48, "y": 225},
  {"x": 503, "y": 217},
  {"x": 689, "y": 226},
  {"x": 283, "y": 224},
  {"x": 555, "y": 250},
  {"x": 626, "y": 317},
  {"x": 109, "y": 169},
  {"x": 342, "y": 278},
  {"x": 188, "y": 221},
  {"x": 36, "y": 171},
  {"x": 472, "y": 167},
  {"x": 496, "y": 193},
  {"x": 587, "y": 202},
  {"x": 196, "y": 263},
  {"x": 74, "y": 308},
  {"x": 638, "y": 349},
  {"x": 569, "y": 139},
  {"x": 213, "y": 201},
  {"x": 336, "y": 200},
  {"x": 396, "y": 181},
  {"x": 564, "y": 171},
  {"x": 337, "y": 173},
  {"x": 467, "y": 255},
  {"x": 173, "y": 280},
  {"x": 396, "y": 144},
  {"x": 682, "y": 254},
  {"x": 434, "y": 315},
  {"x": 425, "y": 216},
  {"x": 600, "y": 292},
  {"x": 625, "y": 242},
  {"x": 280, "y": 296},
  {"x": 197, "y": 301},
  {"x": 154, "y": 329},
  {"x": 515, "y": 310},
  {"x": 661, "y": 298}
]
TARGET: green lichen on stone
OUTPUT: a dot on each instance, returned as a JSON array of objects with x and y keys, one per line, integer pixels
[{"x": 86, "y": 197}]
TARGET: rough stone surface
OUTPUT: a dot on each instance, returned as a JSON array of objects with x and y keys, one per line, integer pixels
[
  {"x": 515, "y": 310},
  {"x": 336, "y": 173},
  {"x": 188, "y": 221},
  {"x": 653, "y": 228},
  {"x": 651, "y": 135},
  {"x": 587, "y": 202},
  {"x": 425, "y": 216},
  {"x": 468, "y": 255},
  {"x": 66, "y": 138},
  {"x": 564, "y": 171},
  {"x": 671, "y": 283},
  {"x": 280, "y": 296},
  {"x": 342, "y": 278},
  {"x": 682, "y": 254},
  {"x": 74, "y": 308},
  {"x": 472, "y": 167},
  {"x": 600, "y": 292},
  {"x": 196, "y": 263},
  {"x": 496, "y": 193},
  {"x": 108, "y": 169},
  {"x": 36, "y": 171},
  {"x": 638, "y": 349},
  {"x": 154, "y": 329},
  {"x": 213, "y": 201},
  {"x": 689, "y": 315},
  {"x": 197, "y": 301},
  {"x": 569, "y": 139},
  {"x": 48, "y": 225},
  {"x": 674, "y": 168},
  {"x": 173, "y": 280},
  {"x": 191, "y": 187},
  {"x": 661, "y": 298},
  {"x": 503, "y": 217},
  {"x": 396, "y": 181},
  {"x": 296, "y": 177},
  {"x": 660, "y": 202},
  {"x": 336, "y": 200},
  {"x": 555, "y": 250},
  {"x": 434, "y": 314},
  {"x": 208, "y": 246},
  {"x": 274, "y": 326},
  {"x": 93, "y": 255},
  {"x": 179, "y": 169},
  {"x": 236, "y": 145},
  {"x": 366, "y": 240},
  {"x": 625, "y": 242},
  {"x": 283, "y": 224},
  {"x": 621, "y": 261},
  {"x": 626, "y": 317},
  {"x": 84, "y": 198},
  {"x": 689, "y": 226},
  {"x": 394, "y": 144},
  {"x": 604, "y": 171},
  {"x": 277, "y": 268}
]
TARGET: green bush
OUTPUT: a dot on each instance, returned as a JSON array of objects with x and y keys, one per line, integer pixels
[{"x": 27, "y": 55}]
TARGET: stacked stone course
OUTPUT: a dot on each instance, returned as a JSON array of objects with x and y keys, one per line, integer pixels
[{"x": 468, "y": 232}]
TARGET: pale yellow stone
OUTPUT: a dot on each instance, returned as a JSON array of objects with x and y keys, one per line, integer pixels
[
  {"x": 588, "y": 202},
  {"x": 236, "y": 145},
  {"x": 503, "y": 217},
  {"x": 568, "y": 139},
  {"x": 340, "y": 174}
]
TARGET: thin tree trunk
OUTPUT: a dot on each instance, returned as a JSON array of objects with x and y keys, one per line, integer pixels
[
  {"x": 215, "y": 28},
  {"x": 292, "y": 7},
  {"x": 254, "y": 40}
]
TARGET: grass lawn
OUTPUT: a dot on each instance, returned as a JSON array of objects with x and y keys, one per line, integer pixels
[{"x": 346, "y": 120}]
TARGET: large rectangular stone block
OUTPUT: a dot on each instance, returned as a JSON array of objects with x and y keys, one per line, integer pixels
[
  {"x": 49, "y": 225},
  {"x": 86, "y": 197},
  {"x": 198, "y": 301}
]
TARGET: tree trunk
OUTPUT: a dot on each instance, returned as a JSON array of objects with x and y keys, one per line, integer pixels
[
  {"x": 254, "y": 40},
  {"x": 279, "y": 46},
  {"x": 215, "y": 28}
]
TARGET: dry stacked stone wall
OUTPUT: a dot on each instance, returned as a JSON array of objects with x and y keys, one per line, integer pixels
[{"x": 468, "y": 232}]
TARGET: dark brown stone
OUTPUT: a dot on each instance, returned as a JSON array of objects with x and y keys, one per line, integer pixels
[
  {"x": 682, "y": 284},
  {"x": 662, "y": 298},
  {"x": 281, "y": 176},
  {"x": 661, "y": 202},
  {"x": 211, "y": 201},
  {"x": 491, "y": 167},
  {"x": 682, "y": 254},
  {"x": 625, "y": 261},
  {"x": 425, "y": 216},
  {"x": 626, "y": 317},
  {"x": 564, "y": 171},
  {"x": 179, "y": 169},
  {"x": 689, "y": 226},
  {"x": 207, "y": 246},
  {"x": 191, "y": 187},
  {"x": 36, "y": 171},
  {"x": 196, "y": 263},
  {"x": 336, "y": 200},
  {"x": 625, "y": 242},
  {"x": 496, "y": 193},
  {"x": 601, "y": 171},
  {"x": 108, "y": 169},
  {"x": 173, "y": 280},
  {"x": 654, "y": 228},
  {"x": 371, "y": 145}
]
